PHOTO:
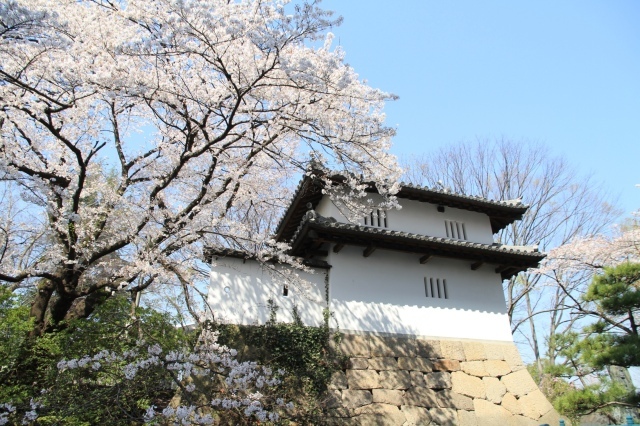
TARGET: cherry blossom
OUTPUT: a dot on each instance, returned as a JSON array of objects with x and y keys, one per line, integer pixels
[{"x": 134, "y": 134}]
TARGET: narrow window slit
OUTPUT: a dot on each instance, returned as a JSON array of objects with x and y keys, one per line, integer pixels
[
  {"x": 285, "y": 290},
  {"x": 455, "y": 230},
  {"x": 377, "y": 218},
  {"x": 436, "y": 288}
]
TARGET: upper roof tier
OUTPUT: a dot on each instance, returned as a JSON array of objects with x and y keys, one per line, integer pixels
[{"x": 501, "y": 213}]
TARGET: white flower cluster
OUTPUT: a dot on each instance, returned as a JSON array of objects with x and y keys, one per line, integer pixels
[
  {"x": 208, "y": 359},
  {"x": 31, "y": 415},
  {"x": 7, "y": 410}
]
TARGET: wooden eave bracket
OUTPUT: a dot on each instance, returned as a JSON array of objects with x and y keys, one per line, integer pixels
[
  {"x": 368, "y": 251},
  {"x": 317, "y": 252},
  {"x": 500, "y": 269},
  {"x": 476, "y": 265},
  {"x": 338, "y": 247},
  {"x": 424, "y": 259}
]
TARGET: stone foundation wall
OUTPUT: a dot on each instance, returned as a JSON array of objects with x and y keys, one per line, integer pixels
[{"x": 415, "y": 381}]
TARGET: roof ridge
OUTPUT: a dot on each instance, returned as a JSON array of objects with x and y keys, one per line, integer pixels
[{"x": 514, "y": 202}]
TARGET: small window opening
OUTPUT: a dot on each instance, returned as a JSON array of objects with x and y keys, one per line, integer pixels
[
  {"x": 285, "y": 290},
  {"x": 455, "y": 230},
  {"x": 377, "y": 218},
  {"x": 436, "y": 288}
]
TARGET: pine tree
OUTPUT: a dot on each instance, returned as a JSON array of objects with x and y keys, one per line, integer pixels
[{"x": 605, "y": 348}]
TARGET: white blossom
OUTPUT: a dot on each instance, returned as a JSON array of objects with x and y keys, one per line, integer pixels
[
  {"x": 6, "y": 409},
  {"x": 130, "y": 371},
  {"x": 192, "y": 146},
  {"x": 150, "y": 413},
  {"x": 155, "y": 349}
]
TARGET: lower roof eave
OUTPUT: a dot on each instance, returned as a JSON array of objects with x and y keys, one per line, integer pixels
[
  {"x": 212, "y": 253},
  {"x": 508, "y": 262}
]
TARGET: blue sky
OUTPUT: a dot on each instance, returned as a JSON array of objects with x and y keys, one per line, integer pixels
[{"x": 563, "y": 73}]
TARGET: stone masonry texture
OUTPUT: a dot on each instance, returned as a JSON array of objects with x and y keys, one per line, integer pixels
[{"x": 407, "y": 381}]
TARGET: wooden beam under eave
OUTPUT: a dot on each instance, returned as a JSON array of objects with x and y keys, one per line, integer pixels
[
  {"x": 476, "y": 265},
  {"x": 368, "y": 251},
  {"x": 500, "y": 269},
  {"x": 424, "y": 259},
  {"x": 338, "y": 247},
  {"x": 321, "y": 253}
]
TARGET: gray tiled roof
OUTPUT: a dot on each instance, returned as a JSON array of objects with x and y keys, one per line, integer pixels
[
  {"x": 516, "y": 203},
  {"x": 330, "y": 222},
  {"x": 314, "y": 228},
  {"x": 501, "y": 213}
]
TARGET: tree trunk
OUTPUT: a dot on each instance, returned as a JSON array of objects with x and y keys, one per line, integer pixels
[
  {"x": 621, "y": 376},
  {"x": 39, "y": 308},
  {"x": 534, "y": 336}
]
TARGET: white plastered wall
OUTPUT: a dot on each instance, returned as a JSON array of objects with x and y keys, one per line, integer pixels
[
  {"x": 382, "y": 293},
  {"x": 240, "y": 289},
  {"x": 385, "y": 293},
  {"x": 423, "y": 219}
]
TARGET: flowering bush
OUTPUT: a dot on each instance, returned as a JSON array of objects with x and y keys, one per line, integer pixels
[
  {"x": 205, "y": 381},
  {"x": 208, "y": 379},
  {"x": 306, "y": 353},
  {"x": 110, "y": 369}
]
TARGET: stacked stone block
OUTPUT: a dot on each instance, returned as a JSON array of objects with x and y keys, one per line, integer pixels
[{"x": 414, "y": 381}]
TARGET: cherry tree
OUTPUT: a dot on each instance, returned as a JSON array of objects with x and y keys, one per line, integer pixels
[
  {"x": 134, "y": 133},
  {"x": 571, "y": 268}
]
